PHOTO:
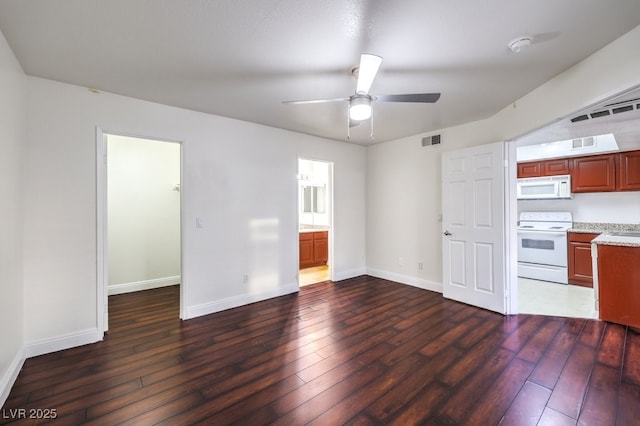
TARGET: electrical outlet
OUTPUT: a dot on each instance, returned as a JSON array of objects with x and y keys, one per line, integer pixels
[
  {"x": 401, "y": 261},
  {"x": 420, "y": 266},
  {"x": 245, "y": 279}
]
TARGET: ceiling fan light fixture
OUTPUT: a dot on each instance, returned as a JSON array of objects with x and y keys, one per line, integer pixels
[{"x": 360, "y": 108}]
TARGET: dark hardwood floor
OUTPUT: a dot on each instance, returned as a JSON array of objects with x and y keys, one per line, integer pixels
[{"x": 362, "y": 351}]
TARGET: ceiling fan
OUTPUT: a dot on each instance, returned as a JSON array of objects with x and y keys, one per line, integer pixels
[{"x": 360, "y": 102}]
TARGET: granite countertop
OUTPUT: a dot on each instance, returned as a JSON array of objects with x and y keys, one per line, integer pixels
[
  {"x": 599, "y": 228},
  {"x": 607, "y": 233},
  {"x": 617, "y": 240}
]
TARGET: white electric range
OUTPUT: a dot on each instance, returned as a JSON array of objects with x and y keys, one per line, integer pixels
[{"x": 542, "y": 245}]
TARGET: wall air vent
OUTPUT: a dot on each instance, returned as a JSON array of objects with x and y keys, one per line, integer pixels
[
  {"x": 622, "y": 109},
  {"x": 580, "y": 118},
  {"x": 431, "y": 140},
  {"x": 614, "y": 108},
  {"x": 579, "y": 143}
]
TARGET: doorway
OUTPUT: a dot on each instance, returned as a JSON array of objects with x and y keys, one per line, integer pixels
[
  {"x": 139, "y": 224},
  {"x": 593, "y": 133},
  {"x": 315, "y": 215}
]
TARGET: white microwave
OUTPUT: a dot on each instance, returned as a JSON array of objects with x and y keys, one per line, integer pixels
[{"x": 544, "y": 188}]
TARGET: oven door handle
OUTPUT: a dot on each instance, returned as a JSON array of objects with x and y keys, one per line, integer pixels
[{"x": 552, "y": 233}]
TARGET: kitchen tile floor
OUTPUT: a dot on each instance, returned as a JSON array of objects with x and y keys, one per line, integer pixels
[{"x": 545, "y": 298}]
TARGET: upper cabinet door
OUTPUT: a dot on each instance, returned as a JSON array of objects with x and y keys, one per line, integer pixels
[
  {"x": 595, "y": 173},
  {"x": 531, "y": 169},
  {"x": 555, "y": 167},
  {"x": 629, "y": 171}
]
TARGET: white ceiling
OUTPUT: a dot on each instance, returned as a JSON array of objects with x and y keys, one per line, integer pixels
[{"x": 241, "y": 59}]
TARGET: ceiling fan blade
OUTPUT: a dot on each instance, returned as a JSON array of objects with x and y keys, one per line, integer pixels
[
  {"x": 316, "y": 101},
  {"x": 369, "y": 65},
  {"x": 410, "y": 97}
]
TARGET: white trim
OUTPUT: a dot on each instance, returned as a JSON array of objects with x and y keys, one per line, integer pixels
[
  {"x": 64, "y": 341},
  {"x": 406, "y": 279},
  {"x": 102, "y": 314},
  {"x": 10, "y": 376},
  {"x": 235, "y": 301},
  {"x": 511, "y": 235},
  {"x": 143, "y": 285},
  {"x": 351, "y": 273}
]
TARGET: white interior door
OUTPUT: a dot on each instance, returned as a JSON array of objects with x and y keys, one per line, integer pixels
[{"x": 473, "y": 226}]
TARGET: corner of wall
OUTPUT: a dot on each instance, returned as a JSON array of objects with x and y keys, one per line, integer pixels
[{"x": 10, "y": 376}]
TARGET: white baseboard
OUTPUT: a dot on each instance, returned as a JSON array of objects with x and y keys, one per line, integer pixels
[
  {"x": 345, "y": 275},
  {"x": 142, "y": 285},
  {"x": 65, "y": 341},
  {"x": 9, "y": 377},
  {"x": 233, "y": 302},
  {"x": 406, "y": 279}
]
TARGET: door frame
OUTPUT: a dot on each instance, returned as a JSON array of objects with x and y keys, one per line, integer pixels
[
  {"x": 102, "y": 259},
  {"x": 510, "y": 232},
  {"x": 330, "y": 258}
]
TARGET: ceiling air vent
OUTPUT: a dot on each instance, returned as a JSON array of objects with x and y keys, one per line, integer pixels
[
  {"x": 431, "y": 140},
  {"x": 600, "y": 113}
]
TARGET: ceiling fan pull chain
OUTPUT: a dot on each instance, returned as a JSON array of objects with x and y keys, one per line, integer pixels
[
  {"x": 371, "y": 136},
  {"x": 348, "y": 124}
]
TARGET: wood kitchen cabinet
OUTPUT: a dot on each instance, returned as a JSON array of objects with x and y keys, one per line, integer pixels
[
  {"x": 320, "y": 247},
  {"x": 306, "y": 249},
  {"x": 314, "y": 248},
  {"x": 628, "y": 166},
  {"x": 593, "y": 173},
  {"x": 555, "y": 167},
  {"x": 530, "y": 169},
  {"x": 590, "y": 173},
  {"x": 619, "y": 284},
  {"x": 580, "y": 266}
]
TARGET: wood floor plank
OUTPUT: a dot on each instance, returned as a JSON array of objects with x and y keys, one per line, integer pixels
[
  {"x": 600, "y": 406},
  {"x": 527, "y": 408},
  {"x": 457, "y": 408},
  {"x": 568, "y": 394},
  {"x": 628, "y": 406},
  {"x": 497, "y": 399},
  {"x": 403, "y": 395},
  {"x": 554, "y": 359},
  {"x": 365, "y": 351},
  {"x": 611, "y": 349},
  {"x": 631, "y": 369},
  {"x": 551, "y": 417}
]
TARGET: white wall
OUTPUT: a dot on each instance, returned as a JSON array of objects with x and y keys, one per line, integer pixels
[
  {"x": 143, "y": 213},
  {"x": 596, "y": 207},
  {"x": 404, "y": 182},
  {"x": 12, "y": 84},
  {"x": 239, "y": 178}
]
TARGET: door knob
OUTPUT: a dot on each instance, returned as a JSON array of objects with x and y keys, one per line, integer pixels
[{"x": 447, "y": 233}]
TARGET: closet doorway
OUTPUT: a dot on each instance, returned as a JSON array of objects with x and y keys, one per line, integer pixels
[{"x": 141, "y": 216}]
